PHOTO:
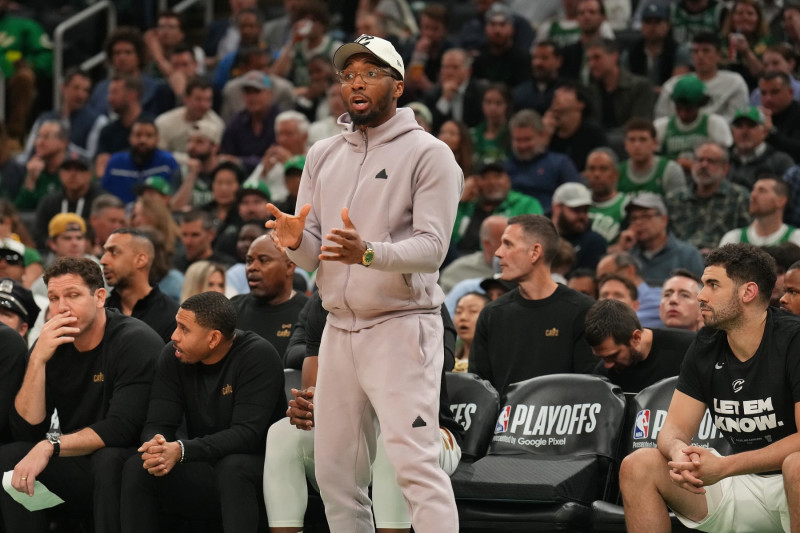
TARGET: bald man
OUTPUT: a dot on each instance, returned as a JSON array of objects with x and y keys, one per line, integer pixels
[
  {"x": 126, "y": 263},
  {"x": 271, "y": 307}
]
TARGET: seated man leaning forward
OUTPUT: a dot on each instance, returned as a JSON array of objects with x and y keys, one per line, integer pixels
[
  {"x": 745, "y": 368},
  {"x": 95, "y": 366},
  {"x": 227, "y": 385}
]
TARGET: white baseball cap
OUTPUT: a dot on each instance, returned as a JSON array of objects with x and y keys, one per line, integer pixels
[
  {"x": 375, "y": 46},
  {"x": 572, "y": 195}
]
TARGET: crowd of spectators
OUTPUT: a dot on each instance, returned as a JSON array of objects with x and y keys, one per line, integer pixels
[{"x": 607, "y": 147}]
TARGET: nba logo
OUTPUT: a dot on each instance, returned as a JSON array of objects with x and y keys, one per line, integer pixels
[
  {"x": 642, "y": 427},
  {"x": 502, "y": 420}
]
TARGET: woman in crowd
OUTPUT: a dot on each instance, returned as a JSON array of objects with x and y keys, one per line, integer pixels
[
  {"x": 747, "y": 37},
  {"x": 491, "y": 138},
  {"x": 203, "y": 276},
  {"x": 226, "y": 180},
  {"x": 149, "y": 212},
  {"x": 456, "y": 135},
  {"x": 466, "y": 316}
]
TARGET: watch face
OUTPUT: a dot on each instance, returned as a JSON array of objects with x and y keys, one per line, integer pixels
[{"x": 369, "y": 255}]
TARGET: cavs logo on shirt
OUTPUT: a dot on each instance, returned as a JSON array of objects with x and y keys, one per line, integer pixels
[
  {"x": 552, "y": 332},
  {"x": 99, "y": 378},
  {"x": 285, "y": 331},
  {"x": 227, "y": 389}
]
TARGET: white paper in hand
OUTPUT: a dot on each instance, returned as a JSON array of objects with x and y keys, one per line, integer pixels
[{"x": 42, "y": 497}]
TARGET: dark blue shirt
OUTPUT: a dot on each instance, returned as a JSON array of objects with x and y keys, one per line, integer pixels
[
  {"x": 240, "y": 140},
  {"x": 541, "y": 176},
  {"x": 122, "y": 174}
]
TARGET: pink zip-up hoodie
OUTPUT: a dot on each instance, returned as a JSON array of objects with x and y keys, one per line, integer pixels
[{"x": 401, "y": 186}]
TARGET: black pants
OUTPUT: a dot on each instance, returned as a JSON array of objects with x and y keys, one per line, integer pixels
[
  {"x": 89, "y": 485},
  {"x": 229, "y": 492}
]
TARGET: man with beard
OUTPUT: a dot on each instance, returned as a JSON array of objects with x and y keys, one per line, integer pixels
[
  {"x": 537, "y": 92},
  {"x": 533, "y": 169},
  {"x": 124, "y": 94},
  {"x": 381, "y": 294},
  {"x": 126, "y": 267},
  {"x": 768, "y": 201},
  {"x": 702, "y": 214},
  {"x": 743, "y": 367},
  {"x": 631, "y": 356},
  {"x": 95, "y": 367},
  {"x": 571, "y": 203},
  {"x": 77, "y": 193},
  {"x": 127, "y": 169},
  {"x": 500, "y": 59},
  {"x": 202, "y": 150},
  {"x": 272, "y": 306},
  {"x": 495, "y": 197},
  {"x": 226, "y": 385}
]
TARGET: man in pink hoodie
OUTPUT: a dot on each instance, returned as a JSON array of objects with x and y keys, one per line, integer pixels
[{"x": 378, "y": 206}]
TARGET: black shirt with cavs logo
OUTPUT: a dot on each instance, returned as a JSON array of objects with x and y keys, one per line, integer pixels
[
  {"x": 272, "y": 322},
  {"x": 105, "y": 389},
  {"x": 518, "y": 339},
  {"x": 751, "y": 402},
  {"x": 228, "y": 406}
]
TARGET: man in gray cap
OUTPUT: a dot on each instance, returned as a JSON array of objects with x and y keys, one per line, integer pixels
[
  {"x": 382, "y": 294},
  {"x": 76, "y": 195},
  {"x": 647, "y": 239},
  {"x": 252, "y": 130}
]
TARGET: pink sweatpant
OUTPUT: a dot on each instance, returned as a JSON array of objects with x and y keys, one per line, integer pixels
[{"x": 384, "y": 378}]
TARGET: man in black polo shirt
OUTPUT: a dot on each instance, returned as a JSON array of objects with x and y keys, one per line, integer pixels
[
  {"x": 95, "y": 366},
  {"x": 631, "y": 356},
  {"x": 228, "y": 386},
  {"x": 126, "y": 264},
  {"x": 272, "y": 306}
]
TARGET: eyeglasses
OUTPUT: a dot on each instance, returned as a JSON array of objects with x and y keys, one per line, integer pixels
[
  {"x": 709, "y": 160},
  {"x": 370, "y": 76},
  {"x": 11, "y": 258},
  {"x": 642, "y": 217}
]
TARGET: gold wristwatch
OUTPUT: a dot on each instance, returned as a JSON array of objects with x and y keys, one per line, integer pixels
[{"x": 369, "y": 255}]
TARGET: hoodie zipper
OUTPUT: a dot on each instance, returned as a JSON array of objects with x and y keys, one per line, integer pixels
[{"x": 349, "y": 203}]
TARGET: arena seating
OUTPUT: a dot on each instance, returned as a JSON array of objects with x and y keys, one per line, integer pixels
[{"x": 552, "y": 454}]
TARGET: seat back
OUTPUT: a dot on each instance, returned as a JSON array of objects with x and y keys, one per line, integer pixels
[
  {"x": 474, "y": 403},
  {"x": 560, "y": 414},
  {"x": 647, "y": 412}
]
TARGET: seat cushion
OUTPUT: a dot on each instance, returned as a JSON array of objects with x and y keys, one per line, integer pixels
[{"x": 526, "y": 478}]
